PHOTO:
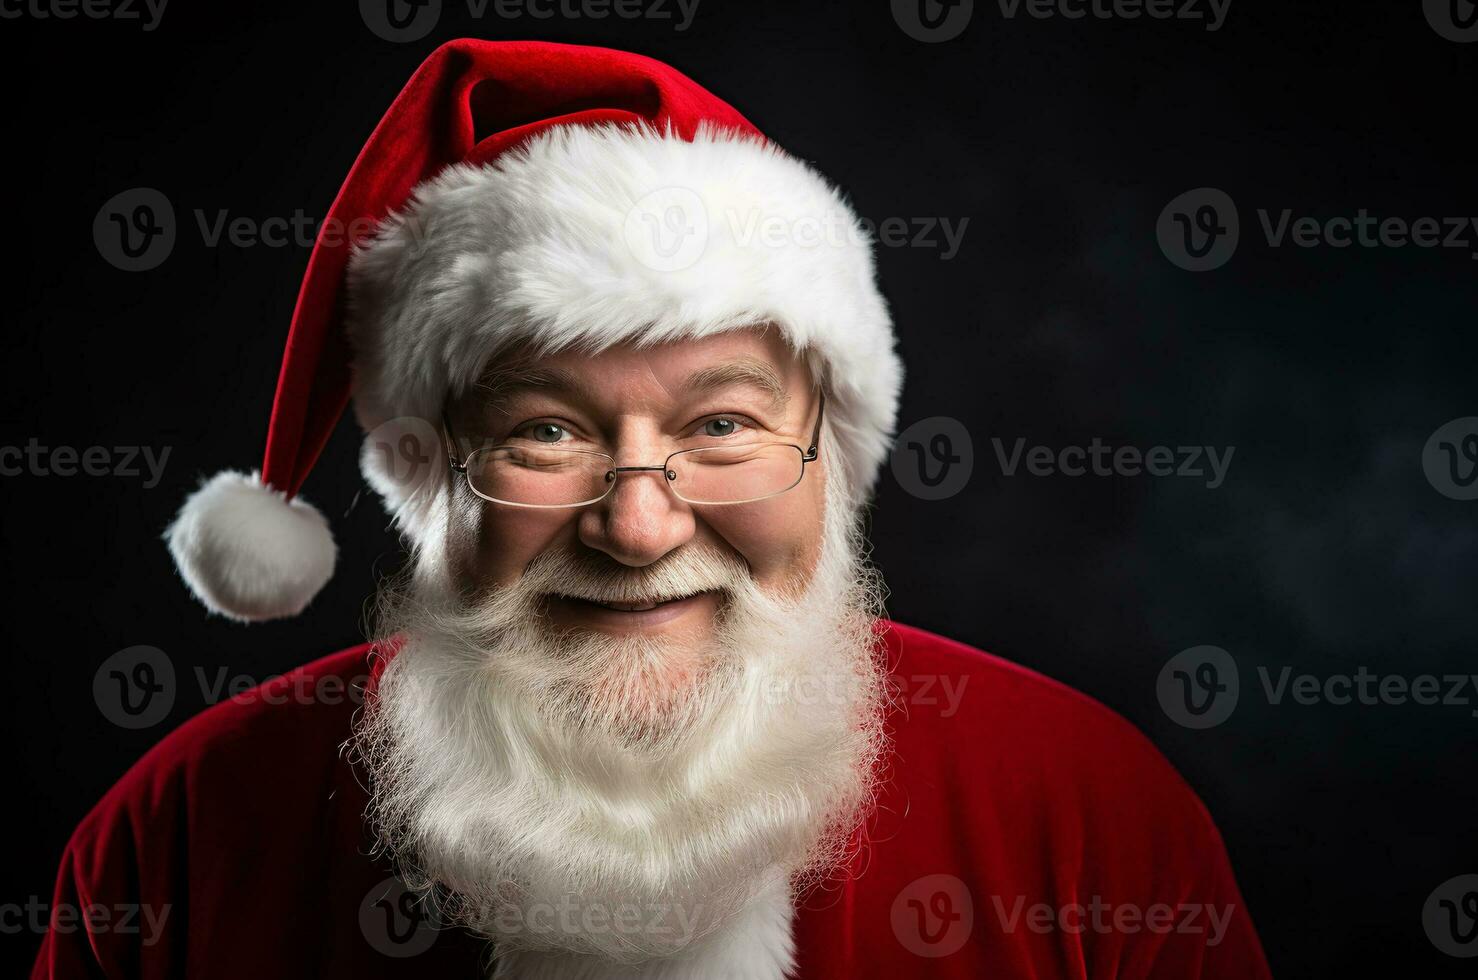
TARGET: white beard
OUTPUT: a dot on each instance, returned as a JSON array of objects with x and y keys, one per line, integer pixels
[{"x": 558, "y": 806}]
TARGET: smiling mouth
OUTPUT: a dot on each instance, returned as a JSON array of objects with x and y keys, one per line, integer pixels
[
  {"x": 638, "y": 605},
  {"x": 623, "y": 614}
]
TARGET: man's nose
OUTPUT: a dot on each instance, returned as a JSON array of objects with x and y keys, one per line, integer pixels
[{"x": 639, "y": 521}]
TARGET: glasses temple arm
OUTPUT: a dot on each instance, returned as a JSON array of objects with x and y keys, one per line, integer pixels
[
  {"x": 451, "y": 444},
  {"x": 816, "y": 433}
]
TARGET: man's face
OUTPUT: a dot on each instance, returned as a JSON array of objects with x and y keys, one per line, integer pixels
[
  {"x": 526, "y": 724},
  {"x": 640, "y": 405}
]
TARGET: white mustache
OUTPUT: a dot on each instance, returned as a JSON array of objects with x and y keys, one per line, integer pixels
[{"x": 594, "y": 577}]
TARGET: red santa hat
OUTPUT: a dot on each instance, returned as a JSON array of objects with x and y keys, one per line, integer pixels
[{"x": 548, "y": 194}]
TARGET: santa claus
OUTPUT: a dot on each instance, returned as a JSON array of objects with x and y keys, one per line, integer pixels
[{"x": 631, "y": 708}]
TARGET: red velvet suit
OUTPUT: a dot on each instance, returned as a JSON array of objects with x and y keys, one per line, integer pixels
[{"x": 1029, "y": 832}]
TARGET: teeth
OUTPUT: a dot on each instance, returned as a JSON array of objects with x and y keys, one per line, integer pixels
[{"x": 630, "y": 606}]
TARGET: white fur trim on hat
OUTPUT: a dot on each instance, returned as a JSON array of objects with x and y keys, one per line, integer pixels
[
  {"x": 249, "y": 553},
  {"x": 561, "y": 243}
]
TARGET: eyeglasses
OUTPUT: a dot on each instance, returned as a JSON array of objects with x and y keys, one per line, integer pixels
[{"x": 547, "y": 476}]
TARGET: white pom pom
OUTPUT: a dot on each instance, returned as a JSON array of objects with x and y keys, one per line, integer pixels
[{"x": 247, "y": 552}]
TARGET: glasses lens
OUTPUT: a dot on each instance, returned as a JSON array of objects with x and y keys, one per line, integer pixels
[
  {"x": 537, "y": 477},
  {"x": 735, "y": 474}
]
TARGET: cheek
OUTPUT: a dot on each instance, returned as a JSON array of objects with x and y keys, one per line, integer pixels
[
  {"x": 779, "y": 538},
  {"x": 508, "y": 538}
]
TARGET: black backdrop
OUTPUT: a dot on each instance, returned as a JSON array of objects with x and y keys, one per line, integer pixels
[{"x": 1060, "y": 319}]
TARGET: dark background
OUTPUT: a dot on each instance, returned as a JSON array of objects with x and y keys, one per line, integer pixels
[{"x": 1059, "y": 320}]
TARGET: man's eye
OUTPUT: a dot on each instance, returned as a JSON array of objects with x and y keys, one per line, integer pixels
[
  {"x": 720, "y": 427},
  {"x": 543, "y": 432}
]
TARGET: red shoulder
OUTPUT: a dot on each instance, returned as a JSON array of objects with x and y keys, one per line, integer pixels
[
  {"x": 982, "y": 723},
  {"x": 284, "y": 733}
]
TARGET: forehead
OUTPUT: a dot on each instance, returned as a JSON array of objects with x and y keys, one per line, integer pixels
[{"x": 756, "y": 357}]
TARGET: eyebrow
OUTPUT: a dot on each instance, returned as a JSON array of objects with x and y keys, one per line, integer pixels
[
  {"x": 745, "y": 371},
  {"x": 513, "y": 377}
]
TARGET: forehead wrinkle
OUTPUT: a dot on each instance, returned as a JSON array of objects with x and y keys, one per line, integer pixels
[{"x": 508, "y": 377}]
